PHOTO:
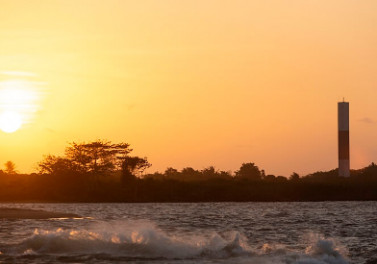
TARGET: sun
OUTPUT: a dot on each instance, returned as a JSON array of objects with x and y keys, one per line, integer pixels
[
  {"x": 10, "y": 121},
  {"x": 18, "y": 103}
]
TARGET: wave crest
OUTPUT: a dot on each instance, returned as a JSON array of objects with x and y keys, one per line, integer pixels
[
  {"x": 145, "y": 241},
  {"x": 127, "y": 239}
]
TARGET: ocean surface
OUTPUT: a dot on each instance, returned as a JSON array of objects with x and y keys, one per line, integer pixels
[{"x": 305, "y": 233}]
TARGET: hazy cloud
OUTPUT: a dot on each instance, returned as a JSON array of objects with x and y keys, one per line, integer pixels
[
  {"x": 18, "y": 73},
  {"x": 367, "y": 120},
  {"x": 130, "y": 107}
]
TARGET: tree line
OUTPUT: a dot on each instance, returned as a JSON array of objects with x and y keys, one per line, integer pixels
[
  {"x": 102, "y": 171},
  {"x": 95, "y": 159}
]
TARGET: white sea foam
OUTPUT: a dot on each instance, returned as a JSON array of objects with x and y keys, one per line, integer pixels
[
  {"x": 143, "y": 240},
  {"x": 324, "y": 251}
]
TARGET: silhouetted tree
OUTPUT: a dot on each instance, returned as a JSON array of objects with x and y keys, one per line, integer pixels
[
  {"x": 322, "y": 176},
  {"x": 281, "y": 179},
  {"x": 225, "y": 175},
  {"x": 10, "y": 167},
  {"x": 57, "y": 165},
  {"x": 249, "y": 171},
  {"x": 190, "y": 174},
  {"x": 294, "y": 177},
  {"x": 155, "y": 176},
  {"x": 131, "y": 166},
  {"x": 369, "y": 172},
  {"x": 171, "y": 173},
  {"x": 269, "y": 178},
  {"x": 98, "y": 157},
  {"x": 209, "y": 173},
  {"x": 69, "y": 183}
]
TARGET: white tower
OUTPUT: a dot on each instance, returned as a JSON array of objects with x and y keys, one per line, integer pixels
[{"x": 343, "y": 139}]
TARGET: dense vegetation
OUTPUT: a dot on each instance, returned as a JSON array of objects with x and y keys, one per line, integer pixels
[{"x": 104, "y": 172}]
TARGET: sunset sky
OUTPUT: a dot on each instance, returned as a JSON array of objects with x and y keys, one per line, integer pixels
[{"x": 191, "y": 83}]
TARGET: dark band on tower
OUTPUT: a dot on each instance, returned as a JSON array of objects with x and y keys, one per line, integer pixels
[{"x": 343, "y": 139}]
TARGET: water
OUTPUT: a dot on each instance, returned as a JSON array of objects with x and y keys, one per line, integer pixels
[{"x": 303, "y": 233}]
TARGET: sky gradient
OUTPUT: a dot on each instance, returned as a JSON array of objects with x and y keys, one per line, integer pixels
[{"x": 194, "y": 83}]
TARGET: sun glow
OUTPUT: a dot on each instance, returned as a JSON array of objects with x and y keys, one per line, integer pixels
[
  {"x": 10, "y": 121},
  {"x": 18, "y": 103}
]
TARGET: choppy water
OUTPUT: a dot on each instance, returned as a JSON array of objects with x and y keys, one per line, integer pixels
[{"x": 305, "y": 233}]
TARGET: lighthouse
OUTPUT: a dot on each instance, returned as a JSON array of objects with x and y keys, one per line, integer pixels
[{"x": 343, "y": 139}]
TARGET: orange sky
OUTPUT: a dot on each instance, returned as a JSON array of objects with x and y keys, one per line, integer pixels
[{"x": 194, "y": 83}]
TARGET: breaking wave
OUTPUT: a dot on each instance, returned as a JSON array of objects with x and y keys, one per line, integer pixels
[{"x": 144, "y": 241}]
